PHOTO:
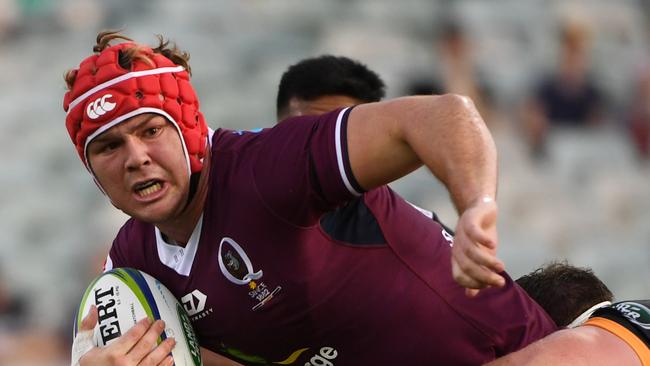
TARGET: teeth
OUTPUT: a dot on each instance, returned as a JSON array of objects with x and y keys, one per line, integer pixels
[{"x": 149, "y": 190}]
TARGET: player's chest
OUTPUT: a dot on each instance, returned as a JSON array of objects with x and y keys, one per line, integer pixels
[
  {"x": 244, "y": 274},
  {"x": 241, "y": 283}
]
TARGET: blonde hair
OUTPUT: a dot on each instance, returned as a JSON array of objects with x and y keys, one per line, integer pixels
[{"x": 128, "y": 55}]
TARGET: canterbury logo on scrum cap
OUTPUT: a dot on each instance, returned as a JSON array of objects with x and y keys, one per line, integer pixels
[{"x": 100, "y": 106}]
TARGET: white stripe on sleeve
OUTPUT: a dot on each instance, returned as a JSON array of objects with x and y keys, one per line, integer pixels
[{"x": 339, "y": 153}]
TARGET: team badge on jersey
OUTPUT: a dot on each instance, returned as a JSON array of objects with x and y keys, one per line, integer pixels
[{"x": 237, "y": 267}]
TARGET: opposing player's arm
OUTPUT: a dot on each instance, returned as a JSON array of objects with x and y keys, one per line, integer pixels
[
  {"x": 210, "y": 358},
  {"x": 387, "y": 140},
  {"x": 585, "y": 345}
]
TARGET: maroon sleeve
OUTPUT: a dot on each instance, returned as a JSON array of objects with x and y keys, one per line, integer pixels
[
  {"x": 507, "y": 315},
  {"x": 511, "y": 317},
  {"x": 121, "y": 254},
  {"x": 302, "y": 167}
]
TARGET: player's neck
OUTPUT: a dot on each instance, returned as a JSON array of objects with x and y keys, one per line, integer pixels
[{"x": 179, "y": 230}]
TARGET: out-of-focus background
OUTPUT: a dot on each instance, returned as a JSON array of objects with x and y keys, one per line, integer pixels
[{"x": 563, "y": 85}]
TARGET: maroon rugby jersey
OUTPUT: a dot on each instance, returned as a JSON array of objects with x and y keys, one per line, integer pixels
[{"x": 291, "y": 264}]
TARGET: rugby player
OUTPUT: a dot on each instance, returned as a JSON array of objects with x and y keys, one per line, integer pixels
[
  {"x": 230, "y": 221},
  {"x": 570, "y": 295},
  {"x": 596, "y": 332}
]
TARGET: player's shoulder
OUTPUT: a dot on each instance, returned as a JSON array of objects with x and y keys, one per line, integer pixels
[
  {"x": 295, "y": 131},
  {"x": 333, "y": 115},
  {"x": 123, "y": 252},
  {"x": 133, "y": 230},
  {"x": 625, "y": 317},
  {"x": 226, "y": 139},
  {"x": 312, "y": 123}
]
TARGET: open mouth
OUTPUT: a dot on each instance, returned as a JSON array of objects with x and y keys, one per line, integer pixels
[{"x": 146, "y": 188}]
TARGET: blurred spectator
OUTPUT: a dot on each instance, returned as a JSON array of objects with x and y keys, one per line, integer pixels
[
  {"x": 567, "y": 96},
  {"x": 13, "y": 310},
  {"x": 9, "y": 18},
  {"x": 457, "y": 71},
  {"x": 639, "y": 118},
  {"x": 21, "y": 343}
]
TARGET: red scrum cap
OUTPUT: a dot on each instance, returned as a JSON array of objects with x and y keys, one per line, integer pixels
[{"x": 105, "y": 94}]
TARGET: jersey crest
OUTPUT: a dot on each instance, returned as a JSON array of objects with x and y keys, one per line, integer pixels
[{"x": 237, "y": 267}]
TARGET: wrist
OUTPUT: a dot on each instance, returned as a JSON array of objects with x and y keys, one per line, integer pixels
[
  {"x": 486, "y": 199},
  {"x": 482, "y": 200},
  {"x": 477, "y": 201}
]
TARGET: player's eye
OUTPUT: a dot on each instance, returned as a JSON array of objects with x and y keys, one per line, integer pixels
[
  {"x": 103, "y": 147},
  {"x": 111, "y": 145},
  {"x": 152, "y": 131}
]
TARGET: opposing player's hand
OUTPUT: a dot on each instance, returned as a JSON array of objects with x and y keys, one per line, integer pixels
[
  {"x": 474, "y": 262},
  {"x": 135, "y": 347}
]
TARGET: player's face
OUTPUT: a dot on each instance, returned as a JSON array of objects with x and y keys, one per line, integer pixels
[
  {"x": 141, "y": 166},
  {"x": 320, "y": 105}
]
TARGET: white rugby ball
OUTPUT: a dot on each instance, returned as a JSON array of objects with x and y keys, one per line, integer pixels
[{"x": 123, "y": 296}]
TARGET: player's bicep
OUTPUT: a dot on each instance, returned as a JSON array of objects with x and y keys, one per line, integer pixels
[{"x": 377, "y": 149}]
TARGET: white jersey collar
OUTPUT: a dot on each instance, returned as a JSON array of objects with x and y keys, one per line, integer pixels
[{"x": 178, "y": 258}]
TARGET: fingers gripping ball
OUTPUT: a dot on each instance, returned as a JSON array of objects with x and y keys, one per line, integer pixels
[{"x": 123, "y": 296}]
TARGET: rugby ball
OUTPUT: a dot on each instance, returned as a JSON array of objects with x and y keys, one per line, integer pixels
[{"x": 123, "y": 296}]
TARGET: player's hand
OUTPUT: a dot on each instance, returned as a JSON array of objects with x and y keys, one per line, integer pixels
[
  {"x": 135, "y": 347},
  {"x": 474, "y": 262}
]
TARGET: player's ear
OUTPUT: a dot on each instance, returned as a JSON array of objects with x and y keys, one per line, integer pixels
[{"x": 295, "y": 107}]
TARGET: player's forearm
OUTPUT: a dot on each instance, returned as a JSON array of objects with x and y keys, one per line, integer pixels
[
  {"x": 389, "y": 139},
  {"x": 454, "y": 143}
]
